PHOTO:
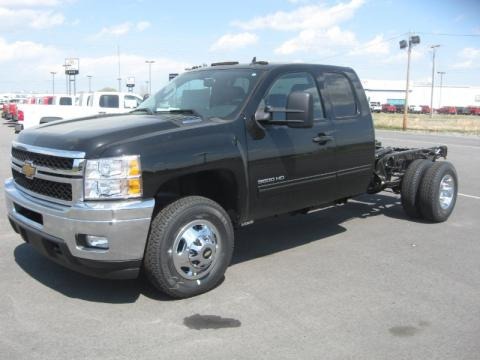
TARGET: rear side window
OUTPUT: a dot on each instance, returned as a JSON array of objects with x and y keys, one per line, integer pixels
[
  {"x": 109, "y": 101},
  {"x": 340, "y": 93},
  {"x": 65, "y": 101}
]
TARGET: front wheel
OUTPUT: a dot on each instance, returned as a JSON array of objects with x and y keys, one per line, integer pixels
[{"x": 189, "y": 248}]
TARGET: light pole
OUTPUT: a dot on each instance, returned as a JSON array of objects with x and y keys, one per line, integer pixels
[
  {"x": 66, "y": 79},
  {"x": 441, "y": 73},
  {"x": 433, "y": 47},
  {"x": 53, "y": 81},
  {"x": 412, "y": 40},
  {"x": 89, "y": 83},
  {"x": 150, "y": 62}
]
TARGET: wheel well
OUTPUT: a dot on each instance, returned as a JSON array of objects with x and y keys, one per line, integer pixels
[{"x": 217, "y": 185}]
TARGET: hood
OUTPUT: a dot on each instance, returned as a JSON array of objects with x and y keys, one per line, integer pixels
[{"x": 94, "y": 133}]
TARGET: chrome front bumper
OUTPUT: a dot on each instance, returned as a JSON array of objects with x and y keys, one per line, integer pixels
[{"x": 125, "y": 223}]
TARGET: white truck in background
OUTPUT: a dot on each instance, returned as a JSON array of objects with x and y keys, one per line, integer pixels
[{"x": 89, "y": 104}]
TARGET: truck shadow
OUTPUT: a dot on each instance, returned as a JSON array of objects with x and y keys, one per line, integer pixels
[
  {"x": 285, "y": 232},
  {"x": 260, "y": 239}
]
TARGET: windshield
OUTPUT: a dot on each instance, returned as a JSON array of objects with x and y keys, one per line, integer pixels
[{"x": 208, "y": 93}]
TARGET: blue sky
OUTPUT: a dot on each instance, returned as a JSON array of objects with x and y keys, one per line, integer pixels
[{"x": 37, "y": 35}]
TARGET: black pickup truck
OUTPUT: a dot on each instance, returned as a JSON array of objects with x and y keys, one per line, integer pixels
[{"x": 161, "y": 189}]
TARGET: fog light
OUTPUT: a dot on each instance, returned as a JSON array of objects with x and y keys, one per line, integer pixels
[{"x": 98, "y": 242}]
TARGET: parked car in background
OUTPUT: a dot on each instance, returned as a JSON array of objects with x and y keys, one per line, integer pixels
[
  {"x": 462, "y": 110},
  {"x": 474, "y": 110},
  {"x": 58, "y": 100},
  {"x": 97, "y": 103},
  {"x": 375, "y": 106},
  {"x": 12, "y": 110},
  {"x": 415, "y": 109},
  {"x": 399, "y": 108},
  {"x": 426, "y": 109},
  {"x": 448, "y": 110},
  {"x": 4, "y": 110},
  {"x": 388, "y": 108}
]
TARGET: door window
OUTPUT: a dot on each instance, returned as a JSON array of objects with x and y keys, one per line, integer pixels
[{"x": 277, "y": 95}]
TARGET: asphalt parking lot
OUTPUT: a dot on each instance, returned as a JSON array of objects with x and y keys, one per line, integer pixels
[{"x": 358, "y": 281}]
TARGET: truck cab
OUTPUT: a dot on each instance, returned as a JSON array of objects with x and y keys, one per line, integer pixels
[{"x": 163, "y": 187}]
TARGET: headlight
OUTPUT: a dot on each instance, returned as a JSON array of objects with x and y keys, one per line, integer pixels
[{"x": 113, "y": 178}]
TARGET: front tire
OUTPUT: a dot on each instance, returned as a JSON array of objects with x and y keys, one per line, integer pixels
[
  {"x": 189, "y": 248},
  {"x": 438, "y": 191}
]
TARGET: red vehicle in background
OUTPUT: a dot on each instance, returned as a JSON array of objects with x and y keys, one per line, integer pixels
[
  {"x": 12, "y": 111},
  {"x": 426, "y": 109},
  {"x": 4, "y": 110},
  {"x": 474, "y": 110},
  {"x": 448, "y": 110},
  {"x": 389, "y": 108},
  {"x": 47, "y": 100}
]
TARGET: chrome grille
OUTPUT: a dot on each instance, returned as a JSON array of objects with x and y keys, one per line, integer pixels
[
  {"x": 52, "y": 162},
  {"x": 58, "y": 175},
  {"x": 62, "y": 191}
]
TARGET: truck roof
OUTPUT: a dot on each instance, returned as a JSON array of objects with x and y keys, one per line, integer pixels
[{"x": 271, "y": 66}]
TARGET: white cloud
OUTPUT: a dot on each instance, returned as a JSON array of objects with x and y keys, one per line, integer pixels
[
  {"x": 401, "y": 56},
  {"x": 234, "y": 41},
  {"x": 469, "y": 58},
  {"x": 318, "y": 41},
  {"x": 24, "y": 50},
  {"x": 115, "y": 30},
  {"x": 143, "y": 25},
  {"x": 376, "y": 46},
  {"x": 35, "y": 19},
  {"x": 306, "y": 17},
  {"x": 121, "y": 29}
]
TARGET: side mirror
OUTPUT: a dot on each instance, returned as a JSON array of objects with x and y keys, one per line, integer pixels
[
  {"x": 263, "y": 115},
  {"x": 300, "y": 110}
]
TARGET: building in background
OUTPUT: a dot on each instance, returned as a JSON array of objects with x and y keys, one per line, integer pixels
[{"x": 393, "y": 92}]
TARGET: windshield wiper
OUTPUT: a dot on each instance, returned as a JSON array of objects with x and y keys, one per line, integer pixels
[
  {"x": 147, "y": 110},
  {"x": 179, "y": 111}
]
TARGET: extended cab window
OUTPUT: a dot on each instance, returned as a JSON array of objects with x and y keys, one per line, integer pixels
[
  {"x": 340, "y": 93},
  {"x": 109, "y": 101},
  {"x": 277, "y": 96}
]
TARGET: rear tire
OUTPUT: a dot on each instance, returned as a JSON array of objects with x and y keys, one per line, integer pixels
[
  {"x": 438, "y": 191},
  {"x": 189, "y": 248},
  {"x": 410, "y": 186}
]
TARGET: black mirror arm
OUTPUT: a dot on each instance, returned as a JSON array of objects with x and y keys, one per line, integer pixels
[
  {"x": 279, "y": 122},
  {"x": 283, "y": 110}
]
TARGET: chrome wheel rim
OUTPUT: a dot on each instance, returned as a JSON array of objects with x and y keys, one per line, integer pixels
[
  {"x": 446, "y": 191},
  {"x": 194, "y": 251}
]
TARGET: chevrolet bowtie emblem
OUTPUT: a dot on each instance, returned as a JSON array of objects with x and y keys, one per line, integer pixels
[{"x": 29, "y": 170}]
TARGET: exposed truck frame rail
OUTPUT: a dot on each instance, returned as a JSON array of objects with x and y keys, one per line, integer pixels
[{"x": 392, "y": 162}]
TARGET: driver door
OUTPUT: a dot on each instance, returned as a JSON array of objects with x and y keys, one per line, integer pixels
[{"x": 289, "y": 168}]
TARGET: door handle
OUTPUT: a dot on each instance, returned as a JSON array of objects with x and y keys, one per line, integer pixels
[{"x": 322, "y": 139}]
